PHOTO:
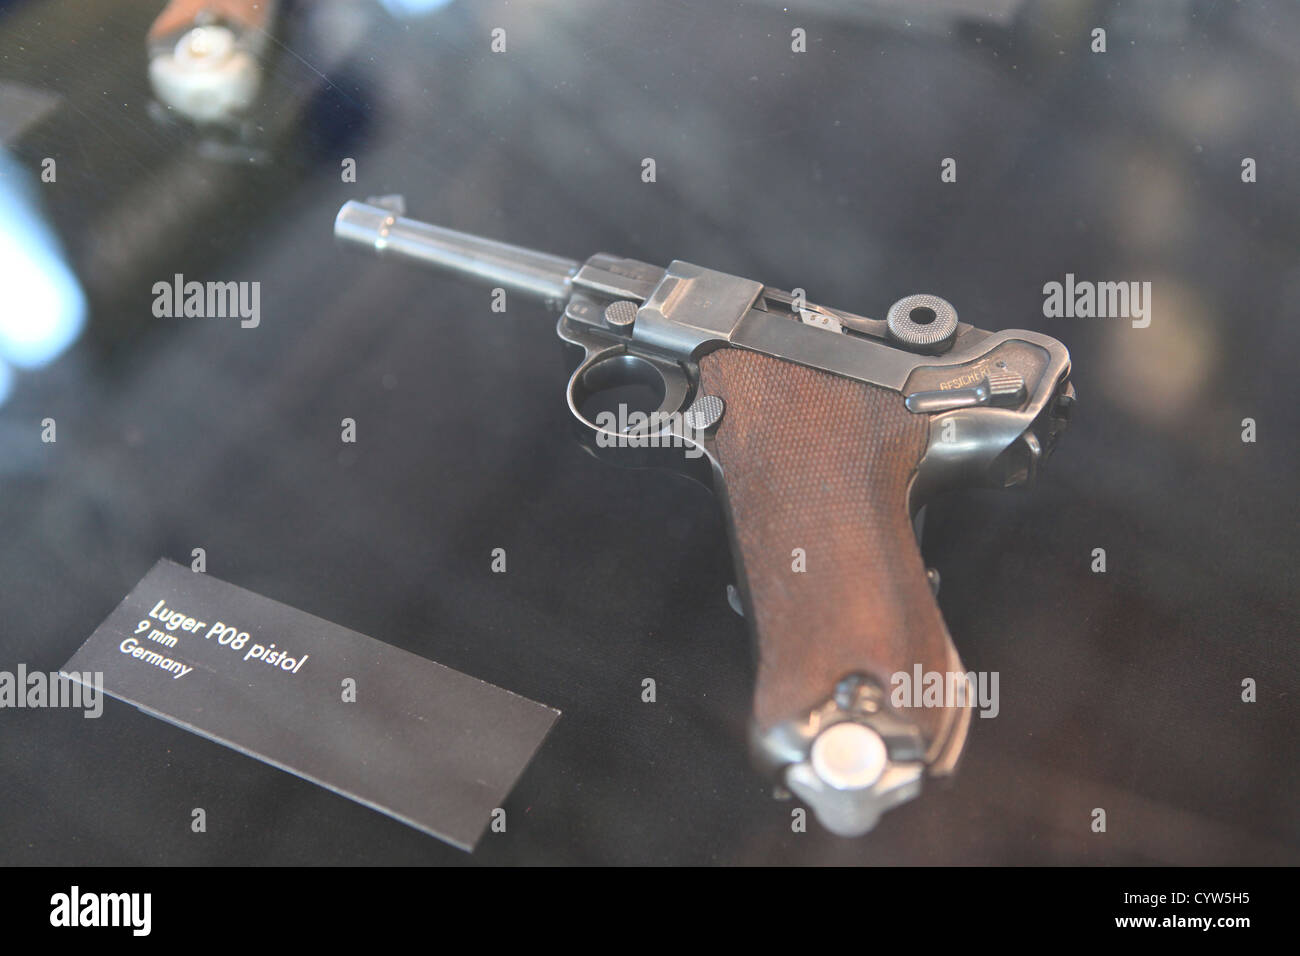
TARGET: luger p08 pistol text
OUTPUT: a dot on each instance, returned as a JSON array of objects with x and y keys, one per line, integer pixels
[{"x": 825, "y": 433}]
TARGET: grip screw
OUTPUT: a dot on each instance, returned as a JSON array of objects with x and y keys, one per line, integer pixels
[{"x": 705, "y": 413}]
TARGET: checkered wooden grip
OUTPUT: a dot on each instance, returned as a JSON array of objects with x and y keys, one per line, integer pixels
[{"x": 819, "y": 465}]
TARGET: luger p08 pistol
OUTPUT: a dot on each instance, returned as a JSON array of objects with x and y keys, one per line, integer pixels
[{"x": 825, "y": 433}]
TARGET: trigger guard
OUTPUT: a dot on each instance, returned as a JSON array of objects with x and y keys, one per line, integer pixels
[{"x": 615, "y": 360}]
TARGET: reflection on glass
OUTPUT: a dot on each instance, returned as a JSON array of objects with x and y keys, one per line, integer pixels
[
  {"x": 412, "y": 8},
  {"x": 42, "y": 307}
]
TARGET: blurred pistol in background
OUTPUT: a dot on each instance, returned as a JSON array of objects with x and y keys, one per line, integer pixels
[
  {"x": 205, "y": 56},
  {"x": 825, "y": 433}
]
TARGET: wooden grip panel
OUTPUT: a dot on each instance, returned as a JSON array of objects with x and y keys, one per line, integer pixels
[{"x": 821, "y": 463}]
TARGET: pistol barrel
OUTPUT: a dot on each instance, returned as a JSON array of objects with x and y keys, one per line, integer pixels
[{"x": 497, "y": 264}]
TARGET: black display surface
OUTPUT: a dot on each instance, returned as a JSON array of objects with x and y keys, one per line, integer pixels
[{"x": 823, "y": 170}]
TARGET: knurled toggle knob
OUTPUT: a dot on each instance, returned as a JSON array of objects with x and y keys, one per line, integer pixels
[{"x": 922, "y": 322}]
